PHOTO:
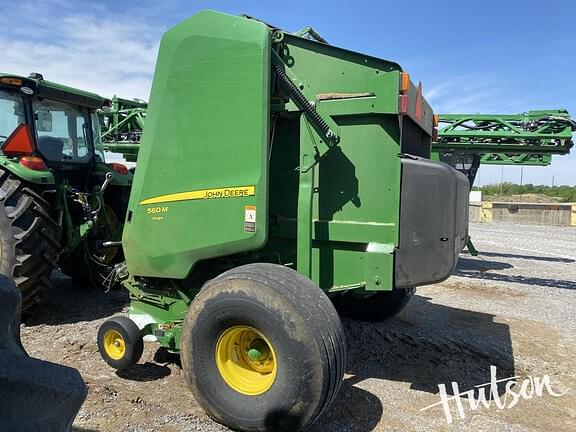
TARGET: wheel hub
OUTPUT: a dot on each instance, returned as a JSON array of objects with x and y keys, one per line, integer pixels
[
  {"x": 246, "y": 360},
  {"x": 114, "y": 345}
]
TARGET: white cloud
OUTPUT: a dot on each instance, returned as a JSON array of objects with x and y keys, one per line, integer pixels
[
  {"x": 472, "y": 94},
  {"x": 93, "y": 50}
]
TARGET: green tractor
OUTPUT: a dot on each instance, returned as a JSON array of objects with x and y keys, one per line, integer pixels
[
  {"x": 277, "y": 176},
  {"x": 61, "y": 205}
]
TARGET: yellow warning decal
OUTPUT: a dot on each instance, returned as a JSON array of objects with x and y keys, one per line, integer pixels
[{"x": 227, "y": 192}]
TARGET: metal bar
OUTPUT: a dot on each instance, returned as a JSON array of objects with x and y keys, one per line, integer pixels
[{"x": 305, "y": 195}]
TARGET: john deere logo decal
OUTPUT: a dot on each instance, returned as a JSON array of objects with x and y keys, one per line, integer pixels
[{"x": 228, "y": 192}]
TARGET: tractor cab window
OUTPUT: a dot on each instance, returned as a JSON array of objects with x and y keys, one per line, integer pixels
[
  {"x": 62, "y": 131},
  {"x": 97, "y": 133},
  {"x": 12, "y": 113}
]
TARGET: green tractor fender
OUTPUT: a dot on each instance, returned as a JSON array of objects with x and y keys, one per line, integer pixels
[
  {"x": 42, "y": 177},
  {"x": 118, "y": 178}
]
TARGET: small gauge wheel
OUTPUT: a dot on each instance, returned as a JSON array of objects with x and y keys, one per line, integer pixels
[{"x": 120, "y": 342}]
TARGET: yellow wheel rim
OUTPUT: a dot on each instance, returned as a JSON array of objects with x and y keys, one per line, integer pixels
[
  {"x": 114, "y": 345},
  {"x": 246, "y": 360}
]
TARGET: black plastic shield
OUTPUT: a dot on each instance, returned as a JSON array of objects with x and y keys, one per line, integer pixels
[{"x": 433, "y": 222}]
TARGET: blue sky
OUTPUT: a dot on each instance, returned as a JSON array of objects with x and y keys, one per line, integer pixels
[{"x": 474, "y": 56}]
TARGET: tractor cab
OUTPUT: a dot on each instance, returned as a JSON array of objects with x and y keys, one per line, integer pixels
[
  {"x": 52, "y": 164},
  {"x": 47, "y": 126}
]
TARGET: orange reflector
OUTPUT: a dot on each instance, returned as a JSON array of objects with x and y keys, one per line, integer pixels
[
  {"x": 19, "y": 142},
  {"x": 435, "y": 120},
  {"x": 404, "y": 82},
  {"x": 11, "y": 81},
  {"x": 33, "y": 162},
  {"x": 119, "y": 168}
]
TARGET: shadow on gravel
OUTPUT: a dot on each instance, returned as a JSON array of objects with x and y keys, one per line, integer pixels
[
  {"x": 543, "y": 282},
  {"x": 426, "y": 345},
  {"x": 480, "y": 269},
  {"x": 162, "y": 355},
  {"x": 144, "y": 372},
  {"x": 353, "y": 410},
  {"x": 67, "y": 302},
  {"x": 528, "y": 257},
  {"x": 430, "y": 344},
  {"x": 479, "y": 265}
]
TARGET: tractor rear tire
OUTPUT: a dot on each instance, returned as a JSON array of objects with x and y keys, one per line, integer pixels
[
  {"x": 28, "y": 249},
  {"x": 263, "y": 349},
  {"x": 378, "y": 307}
]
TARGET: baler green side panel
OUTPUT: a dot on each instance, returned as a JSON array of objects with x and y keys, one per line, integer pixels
[
  {"x": 357, "y": 203},
  {"x": 202, "y": 169},
  {"x": 356, "y": 199},
  {"x": 326, "y": 69}
]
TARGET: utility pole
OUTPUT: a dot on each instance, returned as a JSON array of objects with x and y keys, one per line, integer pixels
[
  {"x": 552, "y": 179},
  {"x": 521, "y": 181},
  {"x": 501, "y": 180}
]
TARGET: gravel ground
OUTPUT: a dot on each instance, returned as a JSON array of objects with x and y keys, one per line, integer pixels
[{"x": 512, "y": 307}]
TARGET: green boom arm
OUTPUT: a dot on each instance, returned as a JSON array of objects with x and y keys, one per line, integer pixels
[
  {"x": 467, "y": 140},
  {"x": 122, "y": 126},
  {"x": 525, "y": 138}
]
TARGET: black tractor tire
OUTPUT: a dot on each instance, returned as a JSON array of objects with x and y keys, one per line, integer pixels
[
  {"x": 85, "y": 270},
  {"x": 120, "y": 342},
  {"x": 75, "y": 266},
  {"x": 380, "y": 306},
  {"x": 306, "y": 341},
  {"x": 28, "y": 249}
]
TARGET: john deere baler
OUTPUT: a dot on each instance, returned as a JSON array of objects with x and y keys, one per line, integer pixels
[{"x": 277, "y": 173}]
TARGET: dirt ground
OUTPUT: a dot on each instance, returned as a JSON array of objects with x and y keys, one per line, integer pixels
[{"x": 512, "y": 307}]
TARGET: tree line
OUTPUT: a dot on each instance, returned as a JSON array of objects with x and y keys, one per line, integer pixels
[{"x": 563, "y": 193}]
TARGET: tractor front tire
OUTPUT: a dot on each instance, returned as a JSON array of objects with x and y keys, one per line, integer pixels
[
  {"x": 84, "y": 267},
  {"x": 74, "y": 265},
  {"x": 263, "y": 349},
  {"x": 380, "y": 306},
  {"x": 28, "y": 250}
]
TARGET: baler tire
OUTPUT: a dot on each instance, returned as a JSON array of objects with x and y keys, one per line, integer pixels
[
  {"x": 378, "y": 307},
  {"x": 120, "y": 342},
  {"x": 28, "y": 249},
  {"x": 305, "y": 343}
]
